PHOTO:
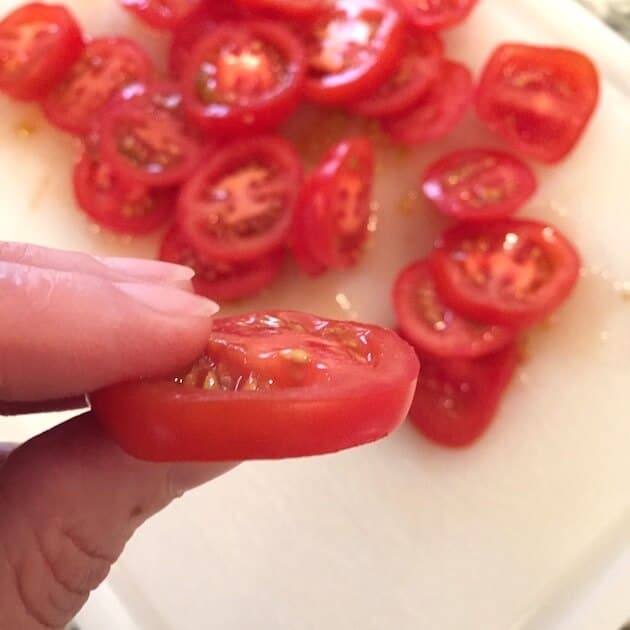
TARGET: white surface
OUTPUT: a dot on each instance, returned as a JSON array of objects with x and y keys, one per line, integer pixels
[{"x": 401, "y": 534}]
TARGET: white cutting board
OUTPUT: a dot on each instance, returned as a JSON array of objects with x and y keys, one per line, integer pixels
[{"x": 399, "y": 535}]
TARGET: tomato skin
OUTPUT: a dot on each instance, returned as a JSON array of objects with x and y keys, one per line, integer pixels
[
  {"x": 478, "y": 184},
  {"x": 287, "y": 8},
  {"x": 430, "y": 16},
  {"x": 160, "y": 14},
  {"x": 538, "y": 99},
  {"x": 510, "y": 272}
]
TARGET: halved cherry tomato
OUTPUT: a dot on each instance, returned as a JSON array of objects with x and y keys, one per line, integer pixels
[
  {"x": 163, "y": 14},
  {"x": 479, "y": 184},
  {"x": 351, "y": 50},
  {"x": 430, "y": 15},
  {"x": 419, "y": 65},
  {"x": 288, "y": 8},
  {"x": 434, "y": 328},
  {"x": 147, "y": 138},
  {"x": 244, "y": 77},
  {"x": 457, "y": 399},
  {"x": 269, "y": 385},
  {"x": 106, "y": 67},
  {"x": 439, "y": 109},
  {"x": 239, "y": 205},
  {"x": 507, "y": 272},
  {"x": 222, "y": 281},
  {"x": 538, "y": 99},
  {"x": 38, "y": 44}
]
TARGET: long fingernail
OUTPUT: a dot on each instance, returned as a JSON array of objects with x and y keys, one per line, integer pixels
[
  {"x": 169, "y": 300},
  {"x": 150, "y": 270}
]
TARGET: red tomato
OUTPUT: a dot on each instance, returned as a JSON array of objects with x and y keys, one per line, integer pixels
[
  {"x": 429, "y": 15},
  {"x": 244, "y": 77},
  {"x": 164, "y": 14},
  {"x": 456, "y": 400},
  {"x": 419, "y": 65},
  {"x": 438, "y": 111},
  {"x": 147, "y": 139},
  {"x": 38, "y": 44},
  {"x": 507, "y": 272},
  {"x": 270, "y": 385},
  {"x": 222, "y": 281},
  {"x": 538, "y": 99},
  {"x": 479, "y": 184},
  {"x": 239, "y": 204},
  {"x": 351, "y": 50},
  {"x": 105, "y": 68},
  {"x": 288, "y": 8},
  {"x": 436, "y": 329}
]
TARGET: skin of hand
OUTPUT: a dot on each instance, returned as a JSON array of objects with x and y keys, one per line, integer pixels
[{"x": 70, "y": 498}]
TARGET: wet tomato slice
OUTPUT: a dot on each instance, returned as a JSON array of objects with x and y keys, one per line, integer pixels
[
  {"x": 434, "y": 328},
  {"x": 438, "y": 111},
  {"x": 479, "y": 184},
  {"x": 38, "y": 44},
  {"x": 287, "y": 8},
  {"x": 106, "y": 67},
  {"x": 270, "y": 385},
  {"x": 506, "y": 272},
  {"x": 163, "y": 14},
  {"x": 351, "y": 50},
  {"x": 419, "y": 65},
  {"x": 538, "y": 99},
  {"x": 147, "y": 139},
  {"x": 244, "y": 77},
  {"x": 457, "y": 399},
  {"x": 430, "y": 15},
  {"x": 239, "y": 204},
  {"x": 222, "y": 281}
]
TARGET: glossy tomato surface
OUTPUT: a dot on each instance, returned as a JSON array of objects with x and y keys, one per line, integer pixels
[
  {"x": 163, "y": 14},
  {"x": 429, "y": 15},
  {"x": 269, "y": 385},
  {"x": 288, "y": 8}
]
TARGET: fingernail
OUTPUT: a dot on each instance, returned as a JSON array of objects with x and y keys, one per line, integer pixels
[
  {"x": 185, "y": 477},
  {"x": 169, "y": 300},
  {"x": 150, "y": 270}
]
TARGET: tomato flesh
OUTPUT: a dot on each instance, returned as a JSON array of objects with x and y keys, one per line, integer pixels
[
  {"x": 270, "y": 385},
  {"x": 163, "y": 14},
  {"x": 435, "y": 14}
]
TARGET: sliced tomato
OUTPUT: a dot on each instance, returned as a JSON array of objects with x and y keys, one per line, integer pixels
[
  {"x": 288, "y": 8},
  {"x": 106, "y": 67},
  {"x": 538, "y": 99},
  {"x": 431, "y": 15},
  {"x": 434, "y": 328},
  {"x": 507, "y": 272},
  {"x": 222, "y": 281},
  {"x": 244, "y": 77},
  {"x": 479, "y": 184},
  {"x": 418, "y": 67},
  {"x": 163, "y": 14},
  {"x": 38, "y": 44},
  {"x": 456, "y": 400},
  {"x": 351, "y": 50},
  {"x": 269, "y": 385},
  {"x": 239, "y": 204},
  {"x": 439, "y": 110}
]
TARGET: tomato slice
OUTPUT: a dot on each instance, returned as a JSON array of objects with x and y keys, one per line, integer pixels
[
  {"x": 163, "y": 14},
  {"x": 434, "y": 328},
  {"x": 239, "y": 204},
  {"x": 287, "y": 8},
  {"x": 507, "y": 272},
  {"x": 479, "y": 184},
  {"x": 351, "y": 50},
  {"x": 38, "y": 44},
  {"x": 270, "y": 385},
  {"x": 439, "y": 110},
  {"x": 222, "y": 281},
  {"x": 106, "y": 67},
  {"x": 456, "y": 400},
  {"x": 418, "y": 67},
  {"x": 538, "y": 99},
  {"x": 430, "y": 15},
  {"x": 147, "y": 139},
  {"x": 244, "y": 77}
]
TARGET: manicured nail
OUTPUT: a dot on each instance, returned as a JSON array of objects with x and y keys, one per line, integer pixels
[{"x": 150, "y": 270}]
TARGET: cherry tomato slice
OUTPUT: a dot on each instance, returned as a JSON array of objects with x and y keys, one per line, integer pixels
[
  {"x": 244, "y": 77},
  {"x": 106, "y": 67},
  {"x": 270, "y": 385},
  {"x": 239, "y": 205},
  {"x": 287, "y": 8},
  {"x": 479, "y": 184},
  {"x": 507, "y": 272},
  {"x": 38, "y": 44},
  {"x": 418, "y": 67},
  {"x": 456, "y": 400},
  {"x": 434, "y": 328},
  {"x": 439, "y": 110},
  {"x": 163, "y": 14},
  {"x": 222, "y": 281},
  {"x": 430, "y": 15},
  {"x": 538, "y": 99},
  {"x": 351, "y": 50}
]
